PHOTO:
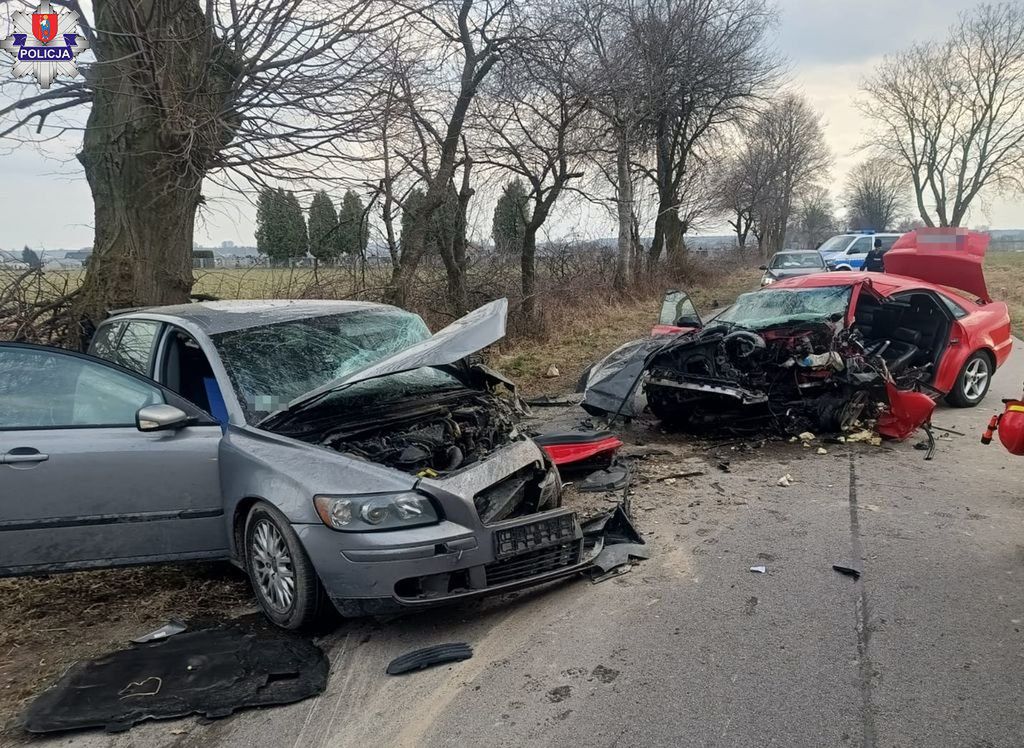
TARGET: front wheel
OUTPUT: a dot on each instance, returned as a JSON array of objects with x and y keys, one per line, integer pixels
[
  {"x": 973, "y": 383},
  {"x": 282, "y": 577}
]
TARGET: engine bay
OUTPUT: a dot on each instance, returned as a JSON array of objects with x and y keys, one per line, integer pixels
[{"x": 431, "y": 435}]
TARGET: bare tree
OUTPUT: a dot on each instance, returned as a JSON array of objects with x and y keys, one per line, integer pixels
[
  {"x": 876, "y": 194},
  {"x": 814, "y": 219},
  {"x": 447, "y": 52},
  {"x": 607, "y": 77},
  {"x": 243, "y": 90},
  {"x": 702, "y": 65},
  {"x": 534, "y": 127},
  {"x": 953, "y": 112},
  {"x": 784, "y": 157}
]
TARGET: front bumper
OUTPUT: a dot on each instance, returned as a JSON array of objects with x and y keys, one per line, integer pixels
[{"x": 456, "y": 559}]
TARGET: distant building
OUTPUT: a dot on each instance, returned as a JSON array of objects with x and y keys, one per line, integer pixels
[{"x": 203, "y": 258}]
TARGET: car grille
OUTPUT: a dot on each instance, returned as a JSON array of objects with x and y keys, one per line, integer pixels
[{"x": 534, "y": 563}]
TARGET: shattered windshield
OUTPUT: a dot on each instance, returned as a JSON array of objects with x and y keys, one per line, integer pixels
[
  {"x": 272, "y": 365},
  {"x": 773, "y": 306},
  {"x": 793, "y": 260}
]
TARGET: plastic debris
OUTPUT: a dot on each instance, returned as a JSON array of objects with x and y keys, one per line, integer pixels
[
  {"x": 759, "y": 569},
  {"x": 552, "y": 372},
  {"x": 428, "y": 656},
  {"x": 786, "y": 481},
  {"x": 847, "y": 570},
  {"x": 822, "y": 451}
]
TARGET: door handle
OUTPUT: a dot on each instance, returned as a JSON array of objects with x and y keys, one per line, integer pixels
[{"x": 23, "y": 455}]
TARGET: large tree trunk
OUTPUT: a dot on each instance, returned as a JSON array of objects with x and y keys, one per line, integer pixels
[
  {"x": 675, "y": 249},
  {"x": 624, "y": 204},
  {"x": 146, "y": 151}
]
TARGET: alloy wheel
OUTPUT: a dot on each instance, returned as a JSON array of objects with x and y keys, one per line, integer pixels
[
  {"x": 976, "y": 379},
  {"x": 272, "y": 566}
]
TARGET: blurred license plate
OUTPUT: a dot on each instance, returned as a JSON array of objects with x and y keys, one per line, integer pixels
[{"x": 510, "y": 541}]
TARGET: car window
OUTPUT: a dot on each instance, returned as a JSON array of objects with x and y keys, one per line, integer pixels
[
  {"x": 135, "y": 348},
  {"x": 675, "y": 307},
  {"x": 861, "y": 246},
  {"x": 958, "y": 311},
  {"x": 49, "y": 389},
  {"x": 835, "y": 244},
  {"x": 104, "y": 342},
  {"x": 793, "y": 260}
]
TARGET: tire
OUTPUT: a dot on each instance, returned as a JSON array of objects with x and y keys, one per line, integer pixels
[
  {"x": 272, "y": 552},
  {"x": 973, "y": 381}
]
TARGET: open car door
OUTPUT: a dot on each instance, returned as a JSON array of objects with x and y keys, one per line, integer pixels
[
  {"x": 678, "y": 314},
  {"x": 945, "y": 256}
]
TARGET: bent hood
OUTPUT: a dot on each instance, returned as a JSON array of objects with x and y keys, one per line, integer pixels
[
  {"x": 463, "y": 337},
  {"x": 946, "y": 257}
]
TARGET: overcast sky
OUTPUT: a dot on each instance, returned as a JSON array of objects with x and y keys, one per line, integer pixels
[{"x": 831, "y": 44}]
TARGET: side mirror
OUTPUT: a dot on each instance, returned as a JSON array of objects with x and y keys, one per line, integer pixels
[
  {"x": 160, "y": 418},
  {"x": 763, "y": 267},
  {"x": 688, "y": 322}
]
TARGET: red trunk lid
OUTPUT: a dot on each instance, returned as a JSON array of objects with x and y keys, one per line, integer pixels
[{"x": 946, "y": 257}]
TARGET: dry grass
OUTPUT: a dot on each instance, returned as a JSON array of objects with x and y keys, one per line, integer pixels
[
  {"x": 579, "y": 334},
  {"x": 1004, "y": 272}
]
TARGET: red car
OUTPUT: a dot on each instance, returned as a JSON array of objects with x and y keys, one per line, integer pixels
[{"x": 911, "y": 315}]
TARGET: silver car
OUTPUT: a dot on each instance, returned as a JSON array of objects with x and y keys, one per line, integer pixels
[{"x": 334, "y": 450}]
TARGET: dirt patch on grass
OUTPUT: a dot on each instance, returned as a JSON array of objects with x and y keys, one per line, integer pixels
[{"x": 47, "y": 624}]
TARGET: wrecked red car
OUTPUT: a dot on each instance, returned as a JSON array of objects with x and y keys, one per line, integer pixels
[{"x": 828, "y": 349}]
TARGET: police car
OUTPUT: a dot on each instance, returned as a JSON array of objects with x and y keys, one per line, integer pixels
[{"x": 848, "y": 251}]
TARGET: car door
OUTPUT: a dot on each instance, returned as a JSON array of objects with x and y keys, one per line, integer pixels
[{"x": 81, "y": 486}]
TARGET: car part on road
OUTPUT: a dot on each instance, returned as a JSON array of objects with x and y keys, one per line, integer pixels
[
  {"x": 613, "y": 478},
  {"x": 759, "y": 569},
  {"x": 785, "y": 481},
  {"x": 577, "y": 449},
  {"x": 847, "y": 570},
  {"x": 170, "y": 628},
  {"x": 213, "y": 672},
  {"x": 437, "y": 654}
]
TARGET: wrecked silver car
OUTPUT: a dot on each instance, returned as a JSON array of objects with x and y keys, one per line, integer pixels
[{"x": 334, "y": 450}]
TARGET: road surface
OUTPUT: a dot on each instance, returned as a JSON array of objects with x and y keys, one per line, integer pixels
[{"x": 692, "y": 648}]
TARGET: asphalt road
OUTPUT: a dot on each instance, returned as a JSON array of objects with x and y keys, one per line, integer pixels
[{"x": 692, "y": 648}]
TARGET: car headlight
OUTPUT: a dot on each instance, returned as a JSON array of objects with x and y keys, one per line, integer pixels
[{"x": 389, "y": 511}]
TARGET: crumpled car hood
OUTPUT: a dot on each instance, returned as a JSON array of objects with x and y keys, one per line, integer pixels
[{"x": 463, "y": 337}]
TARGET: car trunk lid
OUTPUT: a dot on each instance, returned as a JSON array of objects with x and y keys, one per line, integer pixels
[{"x": 944, "y": 256}]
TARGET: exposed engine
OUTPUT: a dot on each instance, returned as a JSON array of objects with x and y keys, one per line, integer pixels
[
  {"x": 437, "y": 436},
  {"x": 798, "y": 375}
]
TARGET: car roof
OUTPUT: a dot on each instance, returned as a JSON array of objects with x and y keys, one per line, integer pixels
[{"x": 214, "y": 317}]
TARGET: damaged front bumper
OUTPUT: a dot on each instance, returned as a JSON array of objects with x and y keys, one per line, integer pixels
[{"x": 461, "y": 557}]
